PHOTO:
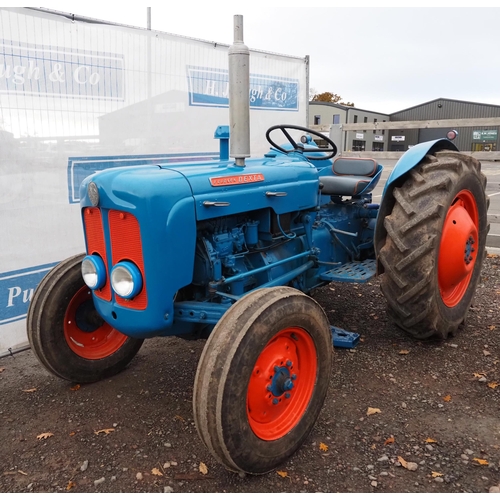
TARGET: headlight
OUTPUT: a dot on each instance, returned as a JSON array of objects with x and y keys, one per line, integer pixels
[
  {"x": 93, "y": 193},
  {"x": 126, "y": 280},
  {"x": 93, "y": 272}
]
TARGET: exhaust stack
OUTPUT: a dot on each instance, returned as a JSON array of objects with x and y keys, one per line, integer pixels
[{"x": 239, "y": 91}]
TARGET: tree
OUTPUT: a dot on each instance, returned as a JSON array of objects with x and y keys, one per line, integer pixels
[{"x": 329, "y": 97}]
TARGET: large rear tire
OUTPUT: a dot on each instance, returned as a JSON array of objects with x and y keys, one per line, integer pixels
[
  {"x": 262, "y": 379},
  {"x": 435, "y": 244},
  {"x": 66, "y": 333}
]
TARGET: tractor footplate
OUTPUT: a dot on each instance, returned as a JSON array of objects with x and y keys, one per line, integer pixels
[
  {"x": 352, "y": 272},
  {"x": 343, "y": 338}
]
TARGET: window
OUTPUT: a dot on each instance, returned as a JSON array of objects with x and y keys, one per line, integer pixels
[
  {"x": 358, "y": 145},
  {"x": 317, "y": 119},
  {"x": 355, "y": 119},
  {"x": 365, "y": 120},
  {"x": 336, "y": 119},
  {"x": 374, "y": 121},
  {"x": 383, "y": 131}
]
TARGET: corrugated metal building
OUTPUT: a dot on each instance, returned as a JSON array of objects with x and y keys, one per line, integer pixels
[
  {"x": 469, "y": 138},
  {"x": 477, "y": 138}
]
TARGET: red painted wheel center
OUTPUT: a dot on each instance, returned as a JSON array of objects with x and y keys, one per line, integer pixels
[
  {"x": 86, "y": 333},
  {"x": 458, "y": 249},
  {"x": 281, "y": 384}
]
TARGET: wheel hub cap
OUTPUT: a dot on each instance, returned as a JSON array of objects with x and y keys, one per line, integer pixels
[
  {"x": 281, "y": 384},
  {"x": 458, "y": 249}
]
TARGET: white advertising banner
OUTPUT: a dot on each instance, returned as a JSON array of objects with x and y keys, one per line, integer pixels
[{"x": 77, "y": 97}]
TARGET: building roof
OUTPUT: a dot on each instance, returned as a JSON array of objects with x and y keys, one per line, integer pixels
[{"x": 447, "y": 100}]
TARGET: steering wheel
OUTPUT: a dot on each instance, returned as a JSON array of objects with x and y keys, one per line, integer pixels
[{"x": 301, "y": 147}]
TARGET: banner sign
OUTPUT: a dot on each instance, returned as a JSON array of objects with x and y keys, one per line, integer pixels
[
  {"x": 210, "y": 87},
  {"x": 35, "y": 70},
  {"x": 81, "y": 167},
  {"x": 484, "y": 135},
  {"x": 16, "y": 290}
]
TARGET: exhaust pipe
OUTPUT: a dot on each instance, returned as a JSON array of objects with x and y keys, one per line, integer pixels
[{"x": 239, "y": 91}]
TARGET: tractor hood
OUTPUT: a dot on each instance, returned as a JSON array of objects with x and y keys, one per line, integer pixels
[{"x": 284, "y": 183}]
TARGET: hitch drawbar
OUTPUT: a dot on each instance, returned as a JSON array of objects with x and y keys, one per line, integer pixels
[{"x": 343, "y": 338}]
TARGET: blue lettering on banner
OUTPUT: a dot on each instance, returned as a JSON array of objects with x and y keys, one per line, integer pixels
[
  {"x": 16, "y": 290},
  {"x": 210, "y": 87},
  {"x": 81, "y": 167},
  {"x": 36, "y": 69}
]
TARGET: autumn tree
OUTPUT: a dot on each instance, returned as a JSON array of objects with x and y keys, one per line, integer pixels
[{"x": 330, "y": 97}]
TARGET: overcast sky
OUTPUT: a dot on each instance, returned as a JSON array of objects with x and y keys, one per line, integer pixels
[{"x": 381, "y": 58}]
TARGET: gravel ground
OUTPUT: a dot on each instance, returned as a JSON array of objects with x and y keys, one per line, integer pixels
[{"x": 434, "y": 425}]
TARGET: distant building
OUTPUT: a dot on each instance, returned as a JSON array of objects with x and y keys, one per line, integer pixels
[
  {"x": 478, "y": 138},
  {"x": 367, "y": 139}
]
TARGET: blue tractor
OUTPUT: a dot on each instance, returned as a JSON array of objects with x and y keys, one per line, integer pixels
[{"x": 230, "y": 250}]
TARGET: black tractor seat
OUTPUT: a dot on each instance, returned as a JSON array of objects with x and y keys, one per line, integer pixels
[{"x": 351, "y": 177}]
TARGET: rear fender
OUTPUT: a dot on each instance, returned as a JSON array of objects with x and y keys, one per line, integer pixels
[{"x": 406, "y": 163}]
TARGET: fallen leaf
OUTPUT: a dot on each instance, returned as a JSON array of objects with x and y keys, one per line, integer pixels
[
  {"x": 493, "y": 385},
  {"x": 492, "y": 327},
  {"x": 436, "y": 474},
  {"x": 203, "y": 468},
  {"x": 430, "y": 440},
  {"x": 479, "y": 375},
  {"x": 30, "y": 390},
  {"x": 403, "y": 462},
  {"x": 372, "y": 411},
  {"x": 104, "y": 431},
  {"x": 72, "y": 433},
  {"x": 156, "y": 472},
  {"x": 2, "y": 369},
  {"x": 71, "y": 484},
  {"x": 447, "y": 398},
  {"x": 44, "y": 435},
  {"x": 323, "y": 447},
  {"x": 282, "y": 473},
  {"x": 178, "y": 417},
  {"x": 389, "y": 440},
  {"x": 404, "y": 351},
  {"x": 373, "y": 446},
  {"x": 75, "y": 387},
  {"x": 21, "y": 472},
  {"x": 480, "y": 461}
]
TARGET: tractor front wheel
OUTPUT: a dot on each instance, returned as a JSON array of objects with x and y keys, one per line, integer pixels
[
  {"x": 262, "y": 379},
  {"x": 435, "y": 244},
  {"x": 67, "y": 334}
]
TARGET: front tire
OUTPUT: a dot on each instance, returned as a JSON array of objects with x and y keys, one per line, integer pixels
[
  {"x": 435, "y": 244},
  {"x": 67, "y": 335},
  {"x": 262, "y": 379}
]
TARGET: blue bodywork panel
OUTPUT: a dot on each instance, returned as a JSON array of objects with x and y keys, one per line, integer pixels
[{"x": 414, "y": 156}]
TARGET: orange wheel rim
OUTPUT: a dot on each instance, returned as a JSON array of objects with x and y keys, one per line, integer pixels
[
  {"x": 281, "y": 384},
  {"x": 86, "y": 334},
  {"x": 458, "y": 250}
]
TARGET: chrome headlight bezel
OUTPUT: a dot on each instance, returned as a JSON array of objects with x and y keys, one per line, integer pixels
[
  {"x": 126, "y": 280},
  {"x": 93, "y": 272}
]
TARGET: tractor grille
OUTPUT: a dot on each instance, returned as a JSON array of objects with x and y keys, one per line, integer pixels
[
  {"x": 126, "y": 245},
  {"x": 125, "y": 237},
  {"x": 96, "y": 244}
]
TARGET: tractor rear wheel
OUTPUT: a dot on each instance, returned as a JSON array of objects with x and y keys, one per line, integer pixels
[
  {"x": 262, "y": 379},
  {"x": 435, "y": 244},
  {"x": 67, "y": 334}
]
